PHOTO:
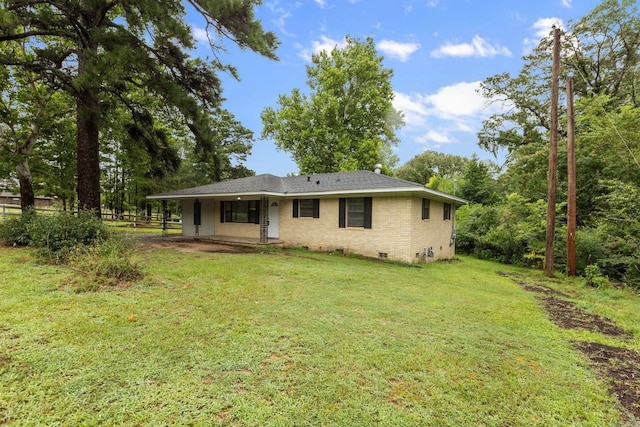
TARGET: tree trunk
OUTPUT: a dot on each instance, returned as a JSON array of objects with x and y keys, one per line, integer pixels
[
  {"x": 27, "y": 197},
  {"x": 88, "y": 145}
]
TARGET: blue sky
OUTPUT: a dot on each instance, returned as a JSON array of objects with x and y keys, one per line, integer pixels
[{"x": 439, "y": 50}]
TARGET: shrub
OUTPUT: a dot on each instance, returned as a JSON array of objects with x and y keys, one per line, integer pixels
[
  {"x": 594, "y": 276},
  {"x": 55, "y": 236},
  {"x": 505, "y": 232},
  {"x": 111, "y": 262},
  {"x": 590, "y": 248},
  {"x": 15, "y": 231},
  {"x": 82, "y": 241}
]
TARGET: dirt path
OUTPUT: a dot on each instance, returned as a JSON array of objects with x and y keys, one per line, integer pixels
[
  {"x": 191, "y": 245},
  {"x": 619, "y": 367}
]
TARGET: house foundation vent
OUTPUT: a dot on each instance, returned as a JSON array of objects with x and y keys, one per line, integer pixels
[{"x": 383, "y": 255}]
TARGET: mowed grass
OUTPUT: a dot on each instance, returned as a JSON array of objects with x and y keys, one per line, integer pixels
[{"x": 288, "y": 338}]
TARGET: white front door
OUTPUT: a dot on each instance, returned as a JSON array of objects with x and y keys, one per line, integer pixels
[{"x": 274, "y": 219}]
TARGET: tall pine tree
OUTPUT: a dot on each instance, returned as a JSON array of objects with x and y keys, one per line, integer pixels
[{"x": 98, "y": 50}]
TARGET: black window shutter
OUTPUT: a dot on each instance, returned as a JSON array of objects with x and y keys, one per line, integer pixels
[
  {"x": 342, "y": 212},
  {"x": 295, "y": 208},
  {"x": 368, "y": 202},
  {"x": 197, "y": 213},
  {"x": 316, "y": 208},
  {"x": 221, "y": 211}
]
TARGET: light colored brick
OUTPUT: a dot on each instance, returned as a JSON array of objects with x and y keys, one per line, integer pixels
[{"x": 398, "y": 229}]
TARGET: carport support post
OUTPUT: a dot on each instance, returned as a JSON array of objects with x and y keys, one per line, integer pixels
[
  {"x": 264, "y": 219},
  {"x": 164, "y": 217}
]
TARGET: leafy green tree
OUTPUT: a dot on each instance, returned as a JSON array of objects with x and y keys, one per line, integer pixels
[
  {"x": 618, "y": 223},
  {"x": 99, "y": 50},
  {"x": 600, "y": 50},
  {"x": 138, "y": 151},
  {"x": 608, "y": 148},
  {"x": 54, "y": 156},
  {"x": 423, "y": 166},
  {"x": 477, "y": 184},
  {"x": 445, "y": 185},
  {"x": 347, "y": 122},
  {"x": 511, "y": 231},
  {"x": 32, "y": 119},
  {"x": 222, "y": 158}
]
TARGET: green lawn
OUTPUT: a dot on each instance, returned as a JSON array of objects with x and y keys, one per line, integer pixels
[{"x": 285, "y": 338}]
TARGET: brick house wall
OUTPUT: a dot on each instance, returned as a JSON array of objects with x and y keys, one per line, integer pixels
[
  {"x": 434, "y": 233},
  {"x": 398, "y": 231}
]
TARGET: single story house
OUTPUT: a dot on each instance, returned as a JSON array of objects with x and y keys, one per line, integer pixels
[{"x": 357, "y": 212}]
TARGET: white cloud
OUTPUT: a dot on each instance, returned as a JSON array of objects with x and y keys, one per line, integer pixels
[
  {"x": 566, "y": 3},
  {"x": 324, "y": 44},
  {"x": 461, "y": 99},
  {"x": 414, "y": 111},
  {"x": 435, "y": 136},
  {"x": 458, "y": 105},
  {"x": 200, "y": 34},
  {"x": 478, "y": 47},
  {"x": 281, "y": 16},
  {"x": 280, "y": 23},
  {"x": 541, "y": 29},
  {"x": 543, "y": 26},
  {"x": 321, "y": 3},
  {"x": 400, "y": 51},
  {"x": 432, "y": 3},
  {"x": 444, "y": 116}
]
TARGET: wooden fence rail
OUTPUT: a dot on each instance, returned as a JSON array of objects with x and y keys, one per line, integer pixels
[{"x": 120, "y": 220}]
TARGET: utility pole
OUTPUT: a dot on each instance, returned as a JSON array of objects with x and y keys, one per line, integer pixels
[
  {"x": 571, "y": 182},
  {"x": 553, "y": 157}
]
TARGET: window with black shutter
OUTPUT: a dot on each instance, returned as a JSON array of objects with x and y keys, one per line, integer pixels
[
  {"x": 447, "y": 211},
  {"x": 355, "y": 212},
  {"x": 426, "y": 205},
  {"x": 306, "y": 208}
]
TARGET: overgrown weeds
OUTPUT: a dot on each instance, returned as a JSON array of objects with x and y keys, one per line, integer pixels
[
  {"x": 80, "y": 241},
  {"x": 112, "y": 262}
]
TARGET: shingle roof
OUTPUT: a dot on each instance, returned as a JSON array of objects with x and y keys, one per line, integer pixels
[{"x": 307, "y": 185}]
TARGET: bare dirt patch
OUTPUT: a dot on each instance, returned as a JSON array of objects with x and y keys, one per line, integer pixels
[
  {"x": 191, "y": 245},
  {"x": 619, "y": 367},
  {"x": 542, "y": 289},
  {"x": 566, "y": 315}
]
